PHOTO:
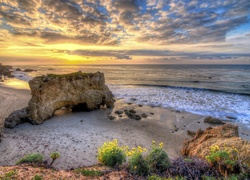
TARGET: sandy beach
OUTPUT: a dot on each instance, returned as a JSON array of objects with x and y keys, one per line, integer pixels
[{"x": 77, "y": 136}]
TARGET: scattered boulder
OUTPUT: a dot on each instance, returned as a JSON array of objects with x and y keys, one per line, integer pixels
[
  {"x": 191, "y": 133},
  {"x": 223, "y": 136},
  {"x": 79, "y": 91},
  {"x": 132, "y": 111},
  {"x": 16, "y": 117},
  {"x": 111, "y": 118},
  {"x": 211, "y": 120},
  {"x": 132, "y": 114},
  {"x": 144, "y": 115},
  {"x": 136, "y": 117},
  {"x": 231, "y": 117},
  {"x": 118, "y": 112},
  {"x": 5, "y": 70},
  {"x": 29, "y": 70}
]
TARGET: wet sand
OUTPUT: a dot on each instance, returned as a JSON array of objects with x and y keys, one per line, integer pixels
[{"x": 77, "y": 136}]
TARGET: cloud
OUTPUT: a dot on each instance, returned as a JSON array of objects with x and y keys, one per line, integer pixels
[{"x": 119, "y": 22}]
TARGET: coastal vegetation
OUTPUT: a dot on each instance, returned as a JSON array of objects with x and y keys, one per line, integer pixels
[
  {"x": 31, "y": 158},
  {"x": 139, "y": 163}
]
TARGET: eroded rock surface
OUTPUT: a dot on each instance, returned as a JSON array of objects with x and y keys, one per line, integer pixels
[
  {"x": 222, "y": 136},
  {"x": 16, "y": 117},
  {"x": 79, "y": 91}
]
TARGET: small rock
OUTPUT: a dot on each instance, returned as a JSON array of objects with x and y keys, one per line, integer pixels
[
  {"x": 129, "y": 103},
  {"x": 118, "y": 112},
  {"x": 140, "y": 105},
  {"x": 176, "y": 128},
  {"x": 28, "y": 70},
  {"x": 137, "y": 117},
  {"x": 132, "y": 111},
  {"x": 152, "y": 113},
  {"x": 211, "y": 120},
  {"x": 111, "y": 117},
  {"x": 120, "y": 115},
  {"x": 18, "y": 69},
  {"x": 133, "y": 99},
  {"x": 144, "y": 115},
  {"x": 191, "y": 133},
  {"x": 231, "y": 117}
]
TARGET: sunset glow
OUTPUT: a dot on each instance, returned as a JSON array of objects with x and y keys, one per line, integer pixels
[{"x": 124, "y": 31}]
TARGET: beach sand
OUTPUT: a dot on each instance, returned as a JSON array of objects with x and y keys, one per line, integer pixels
[{"x": 77, "y": 136}]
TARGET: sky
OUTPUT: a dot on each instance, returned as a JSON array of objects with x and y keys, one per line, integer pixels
[{"x": 125, "y": 31}]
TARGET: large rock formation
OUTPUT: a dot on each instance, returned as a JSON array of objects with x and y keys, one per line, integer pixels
[
  {"x": 79, "y": 91},
  {"x": 225, "y": 136},
  {"x": 5, "y": 71}
]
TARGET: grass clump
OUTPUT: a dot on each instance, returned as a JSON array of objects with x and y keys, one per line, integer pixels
[
  {"x": 158, "y": 159},
  {"x": 224, "y": 161},
  {"x": 37, "y": 177},
  {"x": 54, "y": 156},
  {"x": 11, "y": 175},
  {"x": 31, "y": 158},
  {"x": 111, "y": 154},
  {"x": 90, "y": 173}
]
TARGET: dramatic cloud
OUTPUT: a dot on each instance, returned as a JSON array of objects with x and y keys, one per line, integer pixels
[{"x": 168, "y": 25}]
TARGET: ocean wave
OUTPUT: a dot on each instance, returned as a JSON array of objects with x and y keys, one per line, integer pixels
[{"x": 203, "y": 102}]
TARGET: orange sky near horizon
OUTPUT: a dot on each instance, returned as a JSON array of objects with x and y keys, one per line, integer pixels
[{"x": 124, "y": 32}]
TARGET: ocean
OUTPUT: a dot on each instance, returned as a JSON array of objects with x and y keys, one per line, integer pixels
[{"x": 221, "y": 91}]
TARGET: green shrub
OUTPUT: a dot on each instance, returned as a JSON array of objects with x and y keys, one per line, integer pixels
[
  {"x": 111, "y": 154},
  {"x": 54, "y": 156},
  {"x": 11, "y": 175},
  {"x": 158, "y": 159},
  {"x": 222, "y": 160},
  {"x": 87, "y": 172},
  {"x": 37, "y": 177},
  {"x": 31, "y": 158},
  {"x": 138, "y": 165}
]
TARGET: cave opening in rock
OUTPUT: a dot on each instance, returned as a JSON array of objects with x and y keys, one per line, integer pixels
[
  {"x": 72, "y": 108},
  {"x": 80, "y": 107}
]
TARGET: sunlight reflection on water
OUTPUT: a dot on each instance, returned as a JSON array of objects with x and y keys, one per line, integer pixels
[{"x": 16, "y": 83}]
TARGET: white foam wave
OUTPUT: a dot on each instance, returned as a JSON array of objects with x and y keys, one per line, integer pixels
[{"x": 203, "y": 102}]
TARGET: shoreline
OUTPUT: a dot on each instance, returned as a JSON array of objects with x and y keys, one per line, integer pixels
[{"x": 77, "y": 136}]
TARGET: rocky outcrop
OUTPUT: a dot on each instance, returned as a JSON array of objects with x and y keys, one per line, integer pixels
[
  {"x": 78, "y": 91},
  {"x": 5, "y": 71},
  {"x": 225, "y": 136},
  {"x": 17, "y": 117},
  {"x": 211, "y": 120}
]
